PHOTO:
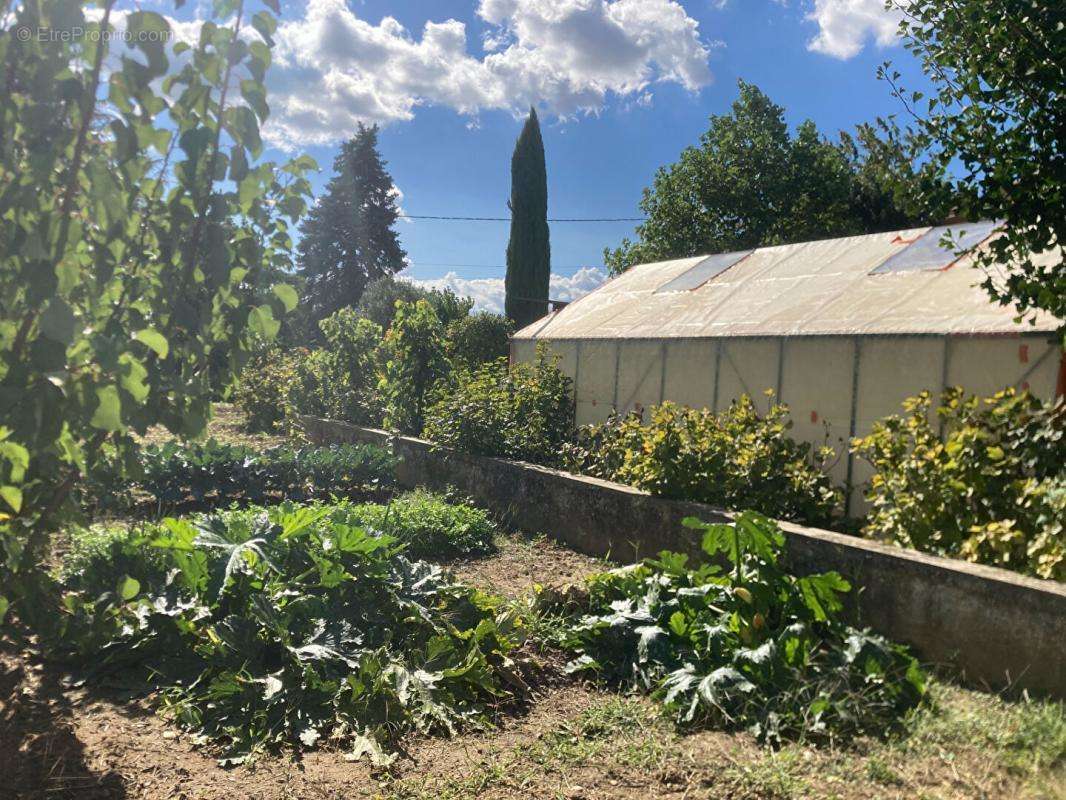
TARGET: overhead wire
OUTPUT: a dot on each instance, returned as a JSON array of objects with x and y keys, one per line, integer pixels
[{"x": 508, "y": 219}]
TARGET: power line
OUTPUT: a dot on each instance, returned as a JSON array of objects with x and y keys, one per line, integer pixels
[
  {"x": 508, "y": 219},
  {"x": 502, "y": 266}
]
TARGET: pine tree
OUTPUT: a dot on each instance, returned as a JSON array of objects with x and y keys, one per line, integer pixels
[
  {"x": 347, "y": 239},
  {"x": 528, "y": 251}
]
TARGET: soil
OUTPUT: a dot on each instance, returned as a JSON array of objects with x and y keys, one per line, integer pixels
[
  {"x": 227, "y": 425},
  {"x": 573, "y": 740},
  {"x": 522, "y": 562}
]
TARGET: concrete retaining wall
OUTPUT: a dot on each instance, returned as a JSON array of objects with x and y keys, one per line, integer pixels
[{"x": 997, "y": 627}]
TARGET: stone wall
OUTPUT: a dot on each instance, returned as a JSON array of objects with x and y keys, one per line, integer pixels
[{"x": 996, "y": 627}]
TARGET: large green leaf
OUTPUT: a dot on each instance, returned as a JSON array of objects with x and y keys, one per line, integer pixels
[
  {"x": 153, "y": 339},
  {"x": 287, "y": 295},
  {"x": 261, "y": 321},
  {"x": 12, "y": 495},
  {"x": 108, "y": 413}
]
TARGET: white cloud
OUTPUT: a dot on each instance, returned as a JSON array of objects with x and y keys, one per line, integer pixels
[
  {"x": 844, "y": 26},
  {"x": 333, "y": 69},
  {"x": 487, "y": 293}
]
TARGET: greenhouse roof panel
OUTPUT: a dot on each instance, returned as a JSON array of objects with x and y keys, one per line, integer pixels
[
  {"x": 820, "y": 288},
  {"x": 705, "y": 270},
  {"x": 928, "y": 253}
]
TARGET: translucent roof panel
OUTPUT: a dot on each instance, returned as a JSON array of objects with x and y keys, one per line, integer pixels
[
  {"x": 708, "y": 268},
  {"x": 821, "y": 288},
  {"x": 928, "y": 253}
]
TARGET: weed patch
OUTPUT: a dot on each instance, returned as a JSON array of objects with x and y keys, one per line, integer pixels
[{"x": 429, "y": 525}]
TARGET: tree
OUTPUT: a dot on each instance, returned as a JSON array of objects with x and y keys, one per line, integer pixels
[
  {"x": 414, "y": 360},
  {"x": 999, "y": 68},
  {"x": 528, "y": 250},
  {"x": 378, "y": 302},
  {"x": 347, "y": 238},
  {"x": 128, "y": 262},
  {"x": 478, "y": 339},
  {"x": 751, "y": 183}
]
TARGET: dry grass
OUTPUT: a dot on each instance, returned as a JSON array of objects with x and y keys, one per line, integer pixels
[{"x": 227, "y": 425}]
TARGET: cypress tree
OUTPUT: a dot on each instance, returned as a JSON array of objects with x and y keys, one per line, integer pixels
[
  {"x": 347, "y": 239},
  {"x": 528, "y": 251}
]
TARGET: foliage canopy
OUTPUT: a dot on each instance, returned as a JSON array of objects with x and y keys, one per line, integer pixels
[
  {"x": 751, "y": 183},
  {"x": 998, "y": 68},
  {"x": 140, "y": 234},
  {"x": 347, "y": 239},
  {"x": 528, "y": 249}
]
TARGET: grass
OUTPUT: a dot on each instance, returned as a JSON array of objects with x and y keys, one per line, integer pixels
[{"x": 973, "y": 745}]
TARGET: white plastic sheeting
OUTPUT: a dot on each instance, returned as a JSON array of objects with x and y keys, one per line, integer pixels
[
  {"x": 808, "y": 322},
  {"x": 808, "y": 289}
]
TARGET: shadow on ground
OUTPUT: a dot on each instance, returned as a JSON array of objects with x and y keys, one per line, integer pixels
[{"x": 40, "y": 754}]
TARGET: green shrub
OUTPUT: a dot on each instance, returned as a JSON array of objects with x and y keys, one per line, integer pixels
[
  {"x": 735, "y": 459},
  {"x": 281, "y": 626},
  {"x": 175, "y": 473},
  {"x": 752, "y": 648},
  {"x": 992, "y": 490},
  {"x": 430, "y": 526},
  {"x": 340, "y": 381},
  {"x": 100, "y": 556},
  {"x": 378, "y": 302},
  {"x": 263, "y": 388},
  {"x": 413, "y": 361},
  {"x": 478, "y": 339},
  {"x": 524, "y": 413}
]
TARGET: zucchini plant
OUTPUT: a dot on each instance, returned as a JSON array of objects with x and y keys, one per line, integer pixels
[
  {"x": 738, "y": 642},
  {"x": 290, "y": 625}
]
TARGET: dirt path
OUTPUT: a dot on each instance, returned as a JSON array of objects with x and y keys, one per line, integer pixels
[{"x": 572, "y": 741}]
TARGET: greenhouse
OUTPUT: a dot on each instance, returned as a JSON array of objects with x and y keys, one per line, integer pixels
[{"x": 842, "y": 330}]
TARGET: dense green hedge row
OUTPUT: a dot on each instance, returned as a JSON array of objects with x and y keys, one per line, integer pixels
[
  {"x": 989, "y": 487},
  {"x": 379, "y": 362}
]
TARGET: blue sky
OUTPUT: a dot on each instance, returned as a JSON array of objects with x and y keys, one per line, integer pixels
[{"x": 621, "y": 87}]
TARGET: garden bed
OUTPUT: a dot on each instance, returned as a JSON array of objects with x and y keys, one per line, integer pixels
[
  {"x": 573, "y": 741},
  {"x": 570, "y": 739}
]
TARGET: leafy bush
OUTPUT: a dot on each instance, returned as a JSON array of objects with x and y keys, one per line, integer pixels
[
  {"x": 174, "y": 473},
  {"x": 478, "y": 339},
  {"x": 281, "y": 625},
  {"x": 429, "y": 525},
  {"x": 263, "y": 388},
  {"x": 143, "y": 236},
  {"x": 992, "y": 490},
  {"x": 340, "y": 381},
  {"x": 101, "y": 556},
  {"x": 737, "y": 458},
  {"x": 753, "y": 648},
  {"x": 413, "y": 356},
  {"x": 378, "y": 302},
  {"x": 525, "y": 413}
]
